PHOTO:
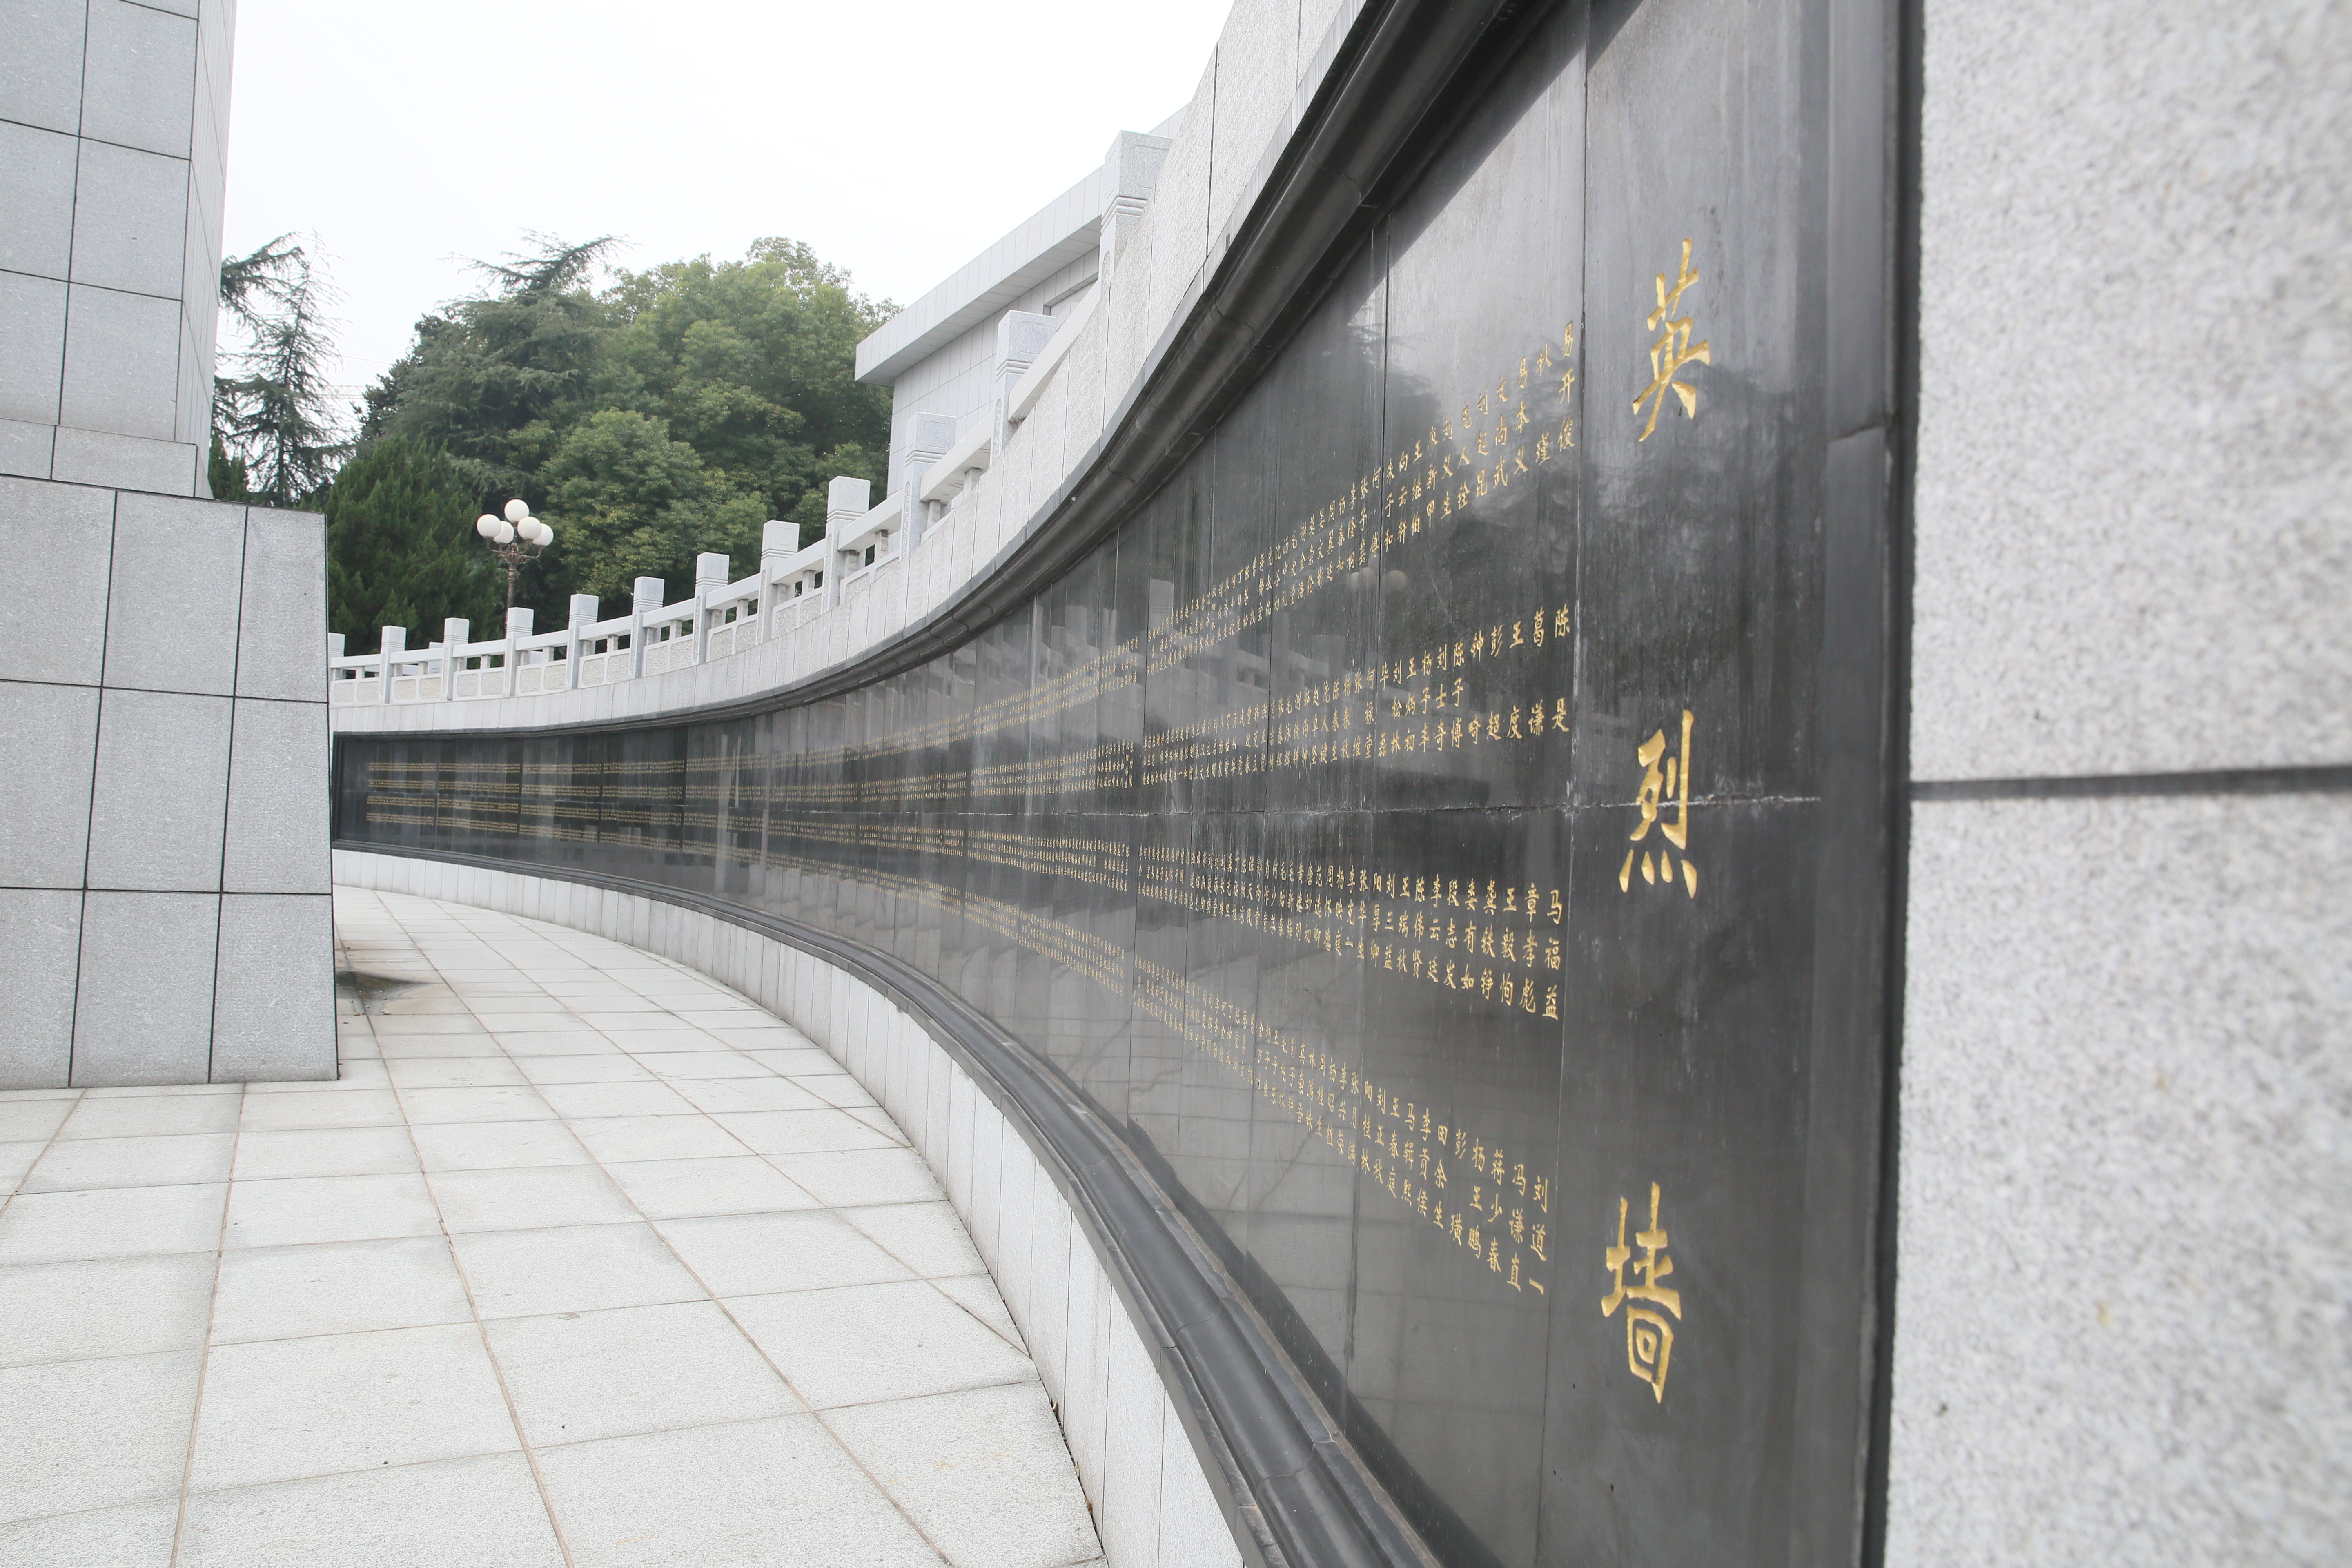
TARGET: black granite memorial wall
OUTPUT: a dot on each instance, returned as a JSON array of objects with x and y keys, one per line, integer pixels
[{"x": 1443, "y": 830}]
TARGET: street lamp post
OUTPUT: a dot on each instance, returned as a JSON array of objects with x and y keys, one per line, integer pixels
[{"x": 514, "y": 539}]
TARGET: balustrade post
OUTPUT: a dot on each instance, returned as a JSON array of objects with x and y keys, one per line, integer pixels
[
  {"x": 711, "y": 571},
  {"x": 584, "y": 614},
  {"x": 454, "y": 634},
  {"x": 387, "y": 653},
  {"x": 779, "y": 543},
  {"x": 647, "y": 597}
]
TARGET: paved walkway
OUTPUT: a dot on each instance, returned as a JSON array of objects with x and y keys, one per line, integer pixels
[{"x": 586, "y": 1260}]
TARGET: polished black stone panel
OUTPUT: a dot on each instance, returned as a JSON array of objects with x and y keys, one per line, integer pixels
[{"x": 1405, "y": 828}]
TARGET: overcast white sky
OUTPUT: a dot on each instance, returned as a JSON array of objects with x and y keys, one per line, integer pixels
[{"x": 897, "y": 139}]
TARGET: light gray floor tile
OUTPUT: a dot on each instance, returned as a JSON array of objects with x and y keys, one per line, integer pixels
[
  {"x": 482, "y": 1512},
  {"x": 413, "y": 1025},
  {"x": 279, "y": 1409},
  {"x": 453, "y": 1072},
  {"x": 103, "y": 1306},
  {"x": 529, "y": 1199},
  {"x": 744, "y": 1255},
  {"x": 321, "y": 1108},
  {"x": 624, "y": 1008},
  {"x": 165, "y": 1091},
  {"x": 118, "y": 1222},
  {"x": 895, "y": 1175},
  {"x": 765, "y": 1093},
  {"x": 166, "y": 1160},
  {"x": 614, "y": 1067},
  {"x": 676, "y": 1067},
  {"x": 556, "y": 1019},
  {"x": 575, "y": 1101},
  {"x": 983, "y": 1473},
  {"x": 744, "y": 1015},
  {"x": 659, "y": 1039},
  {"x": 624, "y": 1138},
  {"x": 24, "y": 1117},
  {"x": 865, "y": 1343},
  {"x": 78, "y": 1435},
  {"x": 505, "y": 1000},
  {"x": 513, "y": 1103},
  {"x": 136, "y": 1536},
  {"x": 765, "y": 1494},
  {"x": 796, "y": 1061},
  {"x": 822, "y": 1132},
  {"x": 559, "y": 1043},
  {"x": 324, "y": 1151},
  {"x": 525, "y": 1273},
  {"x": 146, "y": 1115},
  {"x": 577, "y": 1376},
  {"x": 977, "y": 1294},
  {"x": 16, "y": 1160},
  {"x": 498, "y": 1146},
  {"x": 679, "y": 1189},
  {"x": 422, "y": 1002},
  {"x": 927, "y": 1237},
  {"x": 349, "y": 1074},
  {"x": 337, "y": 1288},
  {"x": 425, "y": 1047},
  {"x": 296, "y": 1210},
  {"x": 841, "y": 1090}
]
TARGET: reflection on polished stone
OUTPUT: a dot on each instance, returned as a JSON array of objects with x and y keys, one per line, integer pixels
[{"x": 1403, "y": 828}]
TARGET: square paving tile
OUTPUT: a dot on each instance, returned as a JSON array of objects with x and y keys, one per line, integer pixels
[
  {"x": 324, "y": 1151},
  {"x": 104, "y": 1307},
  {"x": 983, "y": 1472},
  {"x": 927, "y": 1237},
  {"x": 625, "y": 1138},
  {"x": 481, "y": 1512},
  {"x": 857, "y": 1177},
  {"x": 513, "y": 1103},
  {"x": 526, "y": 1273},
  {"x": 454, "y": 1072},
  {"x": 575, "y": 1101},
  {"x": 577, "y": 1376},
  {"x": 114, "y": 1222},
  {"x": 323, "y": 1108},
  {"x": 779, "y": 1493},
  {"x": 299, "y": 1209},
  {"x": 337, "y": 1288},
  {"x": 612, "y": 1067},
  {"x": 822, "y": 1132},
  {"x": 529, "y": 1199},
  {"x": 171, "y": 1159},
  {"x": 279, "y": 1409},
  {"x": 498, "y": 1146},
  {"x": 94, "y": 1434},
  {"x": 147, "y": 1115},
  {"x": 865, "y": 1343},
  {"x": 765, "y": 1093},
  {"x": 679, "y": 1189},
  {"x": 743, "y": 1254}
]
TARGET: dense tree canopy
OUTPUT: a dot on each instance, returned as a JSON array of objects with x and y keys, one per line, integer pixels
[
  {"x": 671, "y": 412},
  {"x": 400, "y": 548}
]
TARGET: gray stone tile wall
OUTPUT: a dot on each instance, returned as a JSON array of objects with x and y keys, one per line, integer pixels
[{"x": 163, "y": 866}]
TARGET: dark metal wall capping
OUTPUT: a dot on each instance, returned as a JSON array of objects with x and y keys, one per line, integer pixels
[
  {"x": 1292, "y": 1487},
  {"x": 2107, "y": 786}
]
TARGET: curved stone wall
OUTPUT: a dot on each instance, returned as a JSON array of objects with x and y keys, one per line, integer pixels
[{"x": 1441, "y": 831}]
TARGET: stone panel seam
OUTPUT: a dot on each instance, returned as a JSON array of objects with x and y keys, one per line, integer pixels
[
  {"x": 228, "y": 791},
  {"x": 89, "y": 829},
  {"x": 2322, "y": 779}
]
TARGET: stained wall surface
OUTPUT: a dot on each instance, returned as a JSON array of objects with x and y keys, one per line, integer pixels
[{"x": 1403, "y": 828}]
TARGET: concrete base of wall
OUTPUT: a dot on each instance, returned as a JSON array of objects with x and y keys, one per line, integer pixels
[{"x": 1151, "y": 1497}]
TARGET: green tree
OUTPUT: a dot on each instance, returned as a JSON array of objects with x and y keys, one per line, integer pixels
[
  {"x": 401, "y": 548},
  {"x": 276, "y": 434},
  {"x": 671, "y": 412}
]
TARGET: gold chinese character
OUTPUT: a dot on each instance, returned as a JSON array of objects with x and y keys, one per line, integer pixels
[
  {"x": 1672, "y": 351},
  {"x": 1649, "y": 1337},
  {"x": 1659, "y": 786}
]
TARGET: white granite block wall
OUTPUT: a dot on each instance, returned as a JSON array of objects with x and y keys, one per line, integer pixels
[
  {"x": 2127, "y": 1106},
  {"x": 164, "y": 818}
]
